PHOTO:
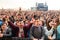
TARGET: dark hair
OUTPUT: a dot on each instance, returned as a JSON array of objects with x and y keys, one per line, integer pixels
[
  {"x": 47, "y": 24},
  {"x": 4, "y": 19},
  {"x": 42, "y": 22},
  {"x": 18, "y": 20},
  {"x": 3, "y": 23},
  {"x": 56, "y": 20}
]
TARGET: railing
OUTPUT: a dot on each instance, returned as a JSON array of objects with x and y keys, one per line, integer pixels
[{"x": 15, "y": 38}]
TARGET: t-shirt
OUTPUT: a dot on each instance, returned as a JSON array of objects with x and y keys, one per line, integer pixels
[
  {"x": 58, "y": 32},
  {"x": 49, "y": 33},
  {"x": 37, "y": 32}
]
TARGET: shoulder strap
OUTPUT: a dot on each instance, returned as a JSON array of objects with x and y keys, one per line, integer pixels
[
  {"x": 54, "y": 32},
  {"x": 33, "y": 30},
  {"x": 41, "y": 31}
]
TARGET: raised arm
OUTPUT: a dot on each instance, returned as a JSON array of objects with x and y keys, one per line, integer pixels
[{"x": 12, "y": 24}]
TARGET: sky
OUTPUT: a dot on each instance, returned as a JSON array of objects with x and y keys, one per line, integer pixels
[{"x": 26, "y": 4}]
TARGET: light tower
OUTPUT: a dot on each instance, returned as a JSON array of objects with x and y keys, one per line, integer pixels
[
  {"x": 45, "y": 3},
  {"x": 36, "y": 4}
]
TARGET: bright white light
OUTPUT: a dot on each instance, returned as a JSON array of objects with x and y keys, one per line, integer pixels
[{"x": 52, "y": 4}]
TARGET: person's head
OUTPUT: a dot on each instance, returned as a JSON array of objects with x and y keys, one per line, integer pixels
[
  {"x": 55, "y": 21},
  {"x": 27, "y": 22},
  {"x": 21, "y": 24},
  {"x": 18, "y": 23},
  {"x": 3, "y": 26},
  {"x": 41, "y": 23},
  {"x": 36, "y": 23},
  {"x": 18, "y": 16},
  {"x": 49, "y": 23},
  {"x": 7, "y": 16}
]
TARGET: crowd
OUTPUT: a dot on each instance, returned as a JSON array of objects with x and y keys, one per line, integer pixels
[{"x": 37, "y": 25}]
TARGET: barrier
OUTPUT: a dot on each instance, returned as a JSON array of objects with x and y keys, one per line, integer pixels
[{"x": 15, "y": 38}]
